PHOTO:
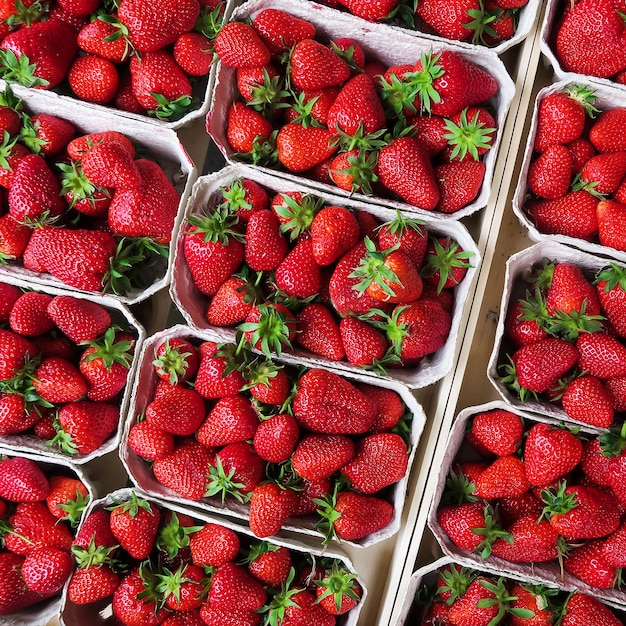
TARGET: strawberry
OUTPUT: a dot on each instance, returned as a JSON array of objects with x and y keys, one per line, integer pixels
[
  {"x": 319, "y": 456},
  {"x": 550, "y": 453},
  {"x": 29, "y": 314},
  {"x": 213, "y": 250},
  {"x": 193, "y": 53},
  {"x": 319, "y": 332},
  {"x": 231, "y": 303},
  {"x": 216, "y": 617},
  {"x": 481, "y": 603},
  {"x": 268, "y": 382},
  {"x": 364, "y": 345},
  {"x": 57, "y": 380},
  {"x": 561, "y": 116},
  {"x": 79, "y": 147},
  {"x": 334, "y": 231},
  {"x": 67, "y": 498},
  {"x": 275, "y": 438},
  {"x": 313, "y": 66},
  {"x": 45, "y": 570},
  {"x": 530, "y": 540},
  {"x": 247, "y": 130},
  {"x": 601, "y": 355},
  {"x": 160, "y": 85},
  {"x": 95, "y": 528},
  {"x": 266, "y": 247},
  {"x": 48, "y": 46},
  {"x": 280, "y": 31},
  {"x": 587, "y": 563},
  {"x": 21, "y": 480},
  {"x": 583, "y": 609},
  {"x": 10, "y": 295},
  {"x": 354, "y": 515},
  {"x": 445, "y": 263},
  {"x": 459, "y": 183},
  {"x": 300, "y": 148},
  {"x": 104, "y": 39},
  {"x": 214, "y": 545},
  {"x": 231, "y": 419},
  {"x": 573, "y": 215},
  {"x": 179, "y": 412},
  {"x": 46, "y": 134},
  {"x": 135, "y": 524},
  {"x": 409, "y": 234},
  {"x": 499, "y": 431},
  {"x": 611, "y": 288},
  {"x": 237, "y": 471},
  {"x": 603, "y": 173},
  {"x": 14, "y": 238},
  {"x": 298, "y": 274},
  {"x": 611, "y": 232},
  {"x": 245, "y": 196},
  {"x": 581, "y": 150},
  {"x": 79, "y": 7},
  {"x": 92, "y": 583},
  {"x": 35, "y": 194},
  {"x": 607, "y": 132},
  {"x": 184, "y": 471},
  {"x": 148, "y": 210},
  {"x": 16, "y": 350},
  {"x": 111, "y": 164},
  {"x": 570, "y": 291},
  {"x": 213, "y": 380},
  {"x": 380, "y": 460},
  {"x": 80, "y": 320},
  {"x": 85, "y": 426},
  {"x": 505, "y": 477},
  {"x": 589, "y": 39},
  {"x": 452, "y": 21},
  {"x": 405, "y": 168},
  {"x": 534, "y": 598},
  {"x": 234, "y": 589},
  {"x": 152, "y": 27},
  {"x": 268, "y": 327},
  {"x": 238, "y": 45},
  {"x": 133, "y": 601},
  {"x": 587, "y": 400},
  {"x": 338, "y": 591},
  {"x": 327, "y": 403},
  {"x": 176, "y": 360},
  {"x": 376, "y": 12},
  {"x": 269, "y": 563},
  {"x": 549, "y": 175},
  {"x": 149, "y": 441},
  {"x": 93, "y": 79},
  {"x": 270, "y": 506},
  {"x": 14, "y": 594}
]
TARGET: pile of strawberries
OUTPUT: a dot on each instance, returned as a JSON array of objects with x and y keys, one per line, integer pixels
[
  {"x": 64, "y": 367},
  {"x": 416, "y": 131},
  {"x": 539, "y": 495},
  {"x": 566, "y": 341},
  {"x": 286, "y": 268},
  {"x": 587, "y": 37},
  {"x": 452, "y": 598},
  {"x": 482, "y": 22},
  {"x": 138, "y": 56},
  {"x": 156, "y": 565},
  {"x": 221, "y": 425},
  {"x": 577, "y": 176},
  {"x": 40, "y": 507},
  {"x": 86, "y": 209}
]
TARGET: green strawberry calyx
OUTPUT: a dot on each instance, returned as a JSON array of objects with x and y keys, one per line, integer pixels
[
  {"x": 338, "y": 583},
  {"x": 361, "y": 170},
  {"x": 75, "y": 182},
  {"x": 171, "y": 110},
  {"x": 454, "y": 581},
  {"x": 501, "y": 598},
  {"x": 20, "y": 70},
  {"x": 270, "y": 333},
  {"x": 372, "y": 269},
  {"x": 468, "y": 136},
  {"x": 275, "y": 609},
  {"x": 94, "y": 555},
  {"x": 73, "y": 509},
  {"x": 222, "y": 484},
  {"x": 400, "y": 225},
  {"x": 444, "y": 260},
  {"x": 173, "y": 537},
  {"x": 296, "y": 216},
  {"x": 173, "y": 362},
  {"x": 110, "y": 350},
  {"x": 585, "y": 96}
]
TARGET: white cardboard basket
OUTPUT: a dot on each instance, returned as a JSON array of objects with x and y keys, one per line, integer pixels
[
  {"x": 143, "y": 478},
  {"x": 164, "y": 147},
  {"x": 374, "y": 38},
  {"x": 101, "y": 613},
  {"x": 193, "y": 304},
  {"x": 26, "y": 443}
]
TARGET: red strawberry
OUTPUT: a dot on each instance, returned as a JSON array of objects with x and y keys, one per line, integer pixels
[
  {"x": 245, "y": 196},
  {"x": 15, "y": 350},
  {"x": 319, "y": 332},
  {"x": 22, "y": 480},
  {"x": 505, "y": 477},
  {"x": 459, "y": 183},
  {"x": 135, "y": 524},
  {"x": 93, "y": 79},
  {"x": 479, "y": 603},
  {"x": 500, "y": 431},
  {"x": 276, "y": 438},
  {"x": 454, "y": 21},
  {"x": 300, "y": 148},
  {"x": 376, "y": 12},
  {"x": 327, "y": 403},
  {"x": 570, "y": 291},
  {"x": 313, "y": 66},
  {"x": 134, "y": 603},
  {"x": 533, "y": 540},
  {"x": 268, "y": 327},
  {"x": 607, "y": 132},
  {"x": 79, "y": 147},
  {"x": 14, "y": 595},
  {"x": 306, "y": 610},
  {"x": 14, "y": 238},
  {"x": 601, "y": 355},
  {"x": 58, "y": 381},
  {"x": 46, "y": 134},
  {"x": 234, "y": 589},
  {"x": 237, "y": 471},
  {"x": 334, "y": 231},
  {"x": 268, "y": 382},
  {"x": 603, "y": 173},
  {"x": 179, "y": 412},
  {"x": 247, "y": 130},
  {"x": 587, "y": 400},
  {"x": 460, "y": 522},
  {"x": 298, "y": 274},
  {"x": 212, "y": 381},
  {"x": 67, "y": 498},
  {"x": 238, "y": 45},
  {"x": 318, "y": 456},
  {"x": 149, "y": 441},
  {"x": 231, "y": 419},
  {"x": 214, "y": 545},
  {"x": 29, "y": 314},
  {"x": 9, "y": 295},
  {"x": 176, "y": 360},
  {"x": 105, "y": 39},
  {"x": 193, "y": 53},
  {"x": 110, "y": 164},
  {"x": 364, "y": 345},
  {"x": 270, "y": 564},
  {"x": 410, "y": 235},
  {"x": 95, "y": 527},
  {"x": 280, "y": 31},
  {"x": 405, "y": 168},
  {"x": 270, "y": 506},
  {"x": 85, "y": 426},
  {"x": 231, "y": 303},
  {"x": 45, "y": 570},
  {"x": 79, "y": 319},
  {"x": 583, "y": 609},
  {"x": 90, "y": 584},
  {"x": 587, "y": 563},
  {"x": 266, "y": 247},
  {"x": 550, "y": 173}
]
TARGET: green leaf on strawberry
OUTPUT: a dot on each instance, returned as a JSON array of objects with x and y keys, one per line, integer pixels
[{"x": 19, "y": 70}]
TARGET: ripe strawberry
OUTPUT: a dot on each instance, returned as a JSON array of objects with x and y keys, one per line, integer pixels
[
  {"x": 193, "y": 53},
  {"x": 505, "y": 477},
  {"x": 29, "y": 316},
  {"x": 607, "y": 131},
  {"x": 245, "y": 196},
  {"x": 176, "y": 360},
  {"x": 268, "y": 382},
  {"x": 214, "y": 545},
  {"x": 135, "y": 524},
  {"x": 265, "y": 247},
  {"x": 270, "y": 507},
  {"x": 499, "y": 431},
  {"x": 280, "y": 31},
  {"x": 319, "y": 332},
  {"x": 213, "y": 250},
  {"x": 15, "y": 350},
  {"x": 364, "y": 345},
  {"x": 549, "y": 175},
  {"x": 92, "y": 583},
  {"x": 380, "y": 460},
  {"x": 79, "y": 147},
  {"x": 338, "y": 591},
  {"x": 587, "y": 563},
  {"x": 298, "y": 274},
  {"x": 238, "y": 469},
  {"x": 589, "y": 39},
  {"x": 452, "y": 21},
  {"x": 247, "y": 130},
  {"x": 57, "y": 380},
  {"x": 270, "y": 564},
  {"x": 85, "y": 426},
  {"x": 150, "y": 441},
  {"x": 405, "y": 168},
  {"x": 50, "y": 46},
  {"x": 327, "y": 403},
  {"x": 104, "y": 39},
  {"x": 80, "y": 320},
  {"x": 376, "y": 12},
  {"x": 14, "y": 238},
  {"x": 319, "y": 456},
  {"x": 550, "y": 453},
  {"x": 300, "y": 148},
  {"x": 232, "y": 302},
  {"x": 611, "y": 288},
  {"x": 46, "y": 134},
  {"x": 276, "y": 438},
  {"x": 334, "y": 231},
  {"x": 601, "y": 355},
  {"x": 532, "y": 541},
  {"x": 573, "y": 214},
  {"x": 603, "y": 173},
  {"x": 67, "y": 498},
  {"x": 179, "y": 412},
  {"x": 459, "y": 184},
  {"x": 231, "y": 419},
  {"x": 611, "y": 231},
  {"x": 212, "y": 381},
  {"x": 445, "y": 263},
  {"x": 111, "y": 165},
  {"x": 234, "y": 589},
  {"x": 14, "y": 594},
  {"x": 9, "y": 295},
  {"x": 268, "y": 327},
  {"x": 561, "y": 116},
  {"x": 45, "y": 570},
  {"x": 570, "y": 291},
  {"x": 480, "y": 604},
  {"x": 584, "y": 609},
  {"x": 93, "y": 79},
  {"x": 133, "y": 601},
  {"x": 238, "y": 45},
  {"x": 313, "y": 66},
  {"x": 587, "y": 400},
  {"x": 410, "y": 235},
  {"x": 185, "y": 470},
  {"x": 581, "y": 150},
  {"x": 95, "y": 528},
  {"x": 151, "y": 27},
  {"x": 22, "y": 480}
]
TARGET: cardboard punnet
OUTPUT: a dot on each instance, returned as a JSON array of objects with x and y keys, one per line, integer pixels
[
  {"x": 516, "y": 266},
  {"x": 202, "y": 86},
  {"x": 536, "y": 573},
  {"x": 607, "y": 98},
  {"x": 374, "y": 38},
  {"x": 43, "y": 612},
  {"x": 554, "y": 10},
  {"x": 193, "y": 304},
  {"x": 162, "y": 145},
  {"x": 120, "y": 314},
  {"x": 142, "y": 476},
  {"x": 101, "y": 613}
]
